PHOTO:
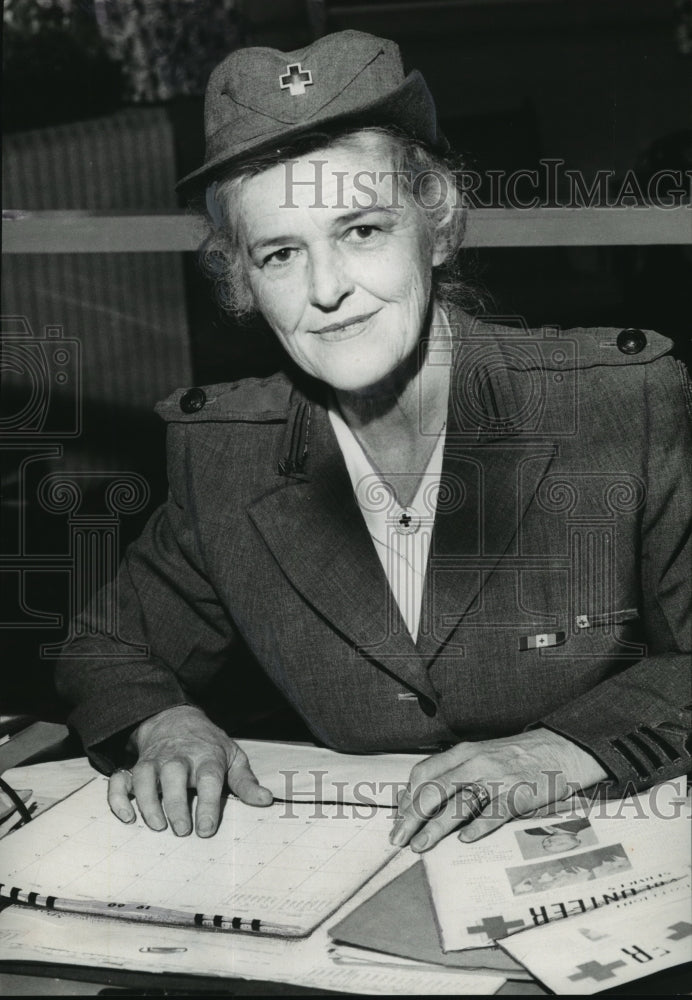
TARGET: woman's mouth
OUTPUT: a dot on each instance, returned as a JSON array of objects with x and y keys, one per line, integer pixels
[{"x": 346, "y": 329}]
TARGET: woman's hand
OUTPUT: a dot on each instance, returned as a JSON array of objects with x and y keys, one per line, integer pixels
[
  {"x": 179, "y": 749},
  {"x": 520, "y": 773}
]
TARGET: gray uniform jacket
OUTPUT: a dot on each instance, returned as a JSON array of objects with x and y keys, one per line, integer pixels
[{"x": 557, "y": 589}]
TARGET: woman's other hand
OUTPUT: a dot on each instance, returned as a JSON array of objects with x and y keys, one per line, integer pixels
[
  {"x": 181, "y": 749},
  {"x": 520, "y": 773}
]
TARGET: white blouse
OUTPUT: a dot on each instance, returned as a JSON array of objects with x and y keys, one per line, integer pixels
[{"x": 401, "y": 535}]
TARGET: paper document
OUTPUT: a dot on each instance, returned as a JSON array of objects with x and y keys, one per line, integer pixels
[
  {"x": 294, "y": 771},
  {"x": 533, "y": 872},
  {"x": 290, "y": 771},
  {"x": 65, "y": 938},
  {"x": 278, "y": 870},
  {"x": 399, "y": 920},
  {"x": 636, "y": 937},
  {"x": 51, "y": 783}
]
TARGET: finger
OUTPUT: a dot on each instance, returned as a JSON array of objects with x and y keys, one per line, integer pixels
[
  {"x": 518, "y": 798},
  {"x": 436, "y": 768},
  {"x": 457, "y": 810},
  {"x": 495, "y": 815},
  {"x": 119, "y": 788},
  {"x": 146, "y": 791},
  {"x": 442, "y": 763},
  {"x": 173, "y": 777},
  {"x": 209, "y": 782},
  {"x": 416, "y": 808},
  {"x": 244, "y": 784}
]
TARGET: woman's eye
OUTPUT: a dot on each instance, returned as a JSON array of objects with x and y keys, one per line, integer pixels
[
  {"x": 363, "y": 232},
  {"x": 281, "y": 256}
]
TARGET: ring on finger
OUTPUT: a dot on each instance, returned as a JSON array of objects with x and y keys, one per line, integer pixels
[{"x": 477, "y": 794}]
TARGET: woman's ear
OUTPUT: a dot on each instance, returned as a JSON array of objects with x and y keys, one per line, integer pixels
[
  {"x": 440, "y": 245},
  {"x": 213, "y": 206},
  {"x": 448, "y": 233}
]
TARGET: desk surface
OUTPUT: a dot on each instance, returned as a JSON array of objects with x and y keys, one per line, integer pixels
[
  {"x": 19, "y": 978},
  {"x": 24, "y": 980}
]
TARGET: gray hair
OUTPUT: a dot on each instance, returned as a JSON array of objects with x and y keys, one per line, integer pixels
[{"x": 426, "y": 179}]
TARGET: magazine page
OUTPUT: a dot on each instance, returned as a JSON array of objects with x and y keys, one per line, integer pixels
[
  {"x": 535, "y": 871},
  {"x": 595, "y": 951}
]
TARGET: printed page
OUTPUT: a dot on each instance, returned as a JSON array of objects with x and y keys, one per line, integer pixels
[
  {"x": 635, "y": 937},
  {"x": 285, "y": 867},
  {"x": 294, "y": 771},
  {"x": 291, "y": 771},
  {"x": 51, "y": 782},
  {"x": 65, "y": 938},
  {"x": 33, "y": 934},
  {"x": 535, "y": 871}
]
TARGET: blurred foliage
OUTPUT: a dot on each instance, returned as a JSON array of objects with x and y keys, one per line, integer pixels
[
  {"x": 168, "y": 48},
  {"x": 683, "y": 27},
  {"x": 56, "y": 64},
  {"x": 66, "y": 60}
]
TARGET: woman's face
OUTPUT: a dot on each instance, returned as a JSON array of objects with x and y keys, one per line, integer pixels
[{"x": 339, "y": 262}]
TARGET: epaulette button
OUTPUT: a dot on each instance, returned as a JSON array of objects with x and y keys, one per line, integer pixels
[
  {"x": 193, "y": 400},
  {"x": 631, "y": 341}
]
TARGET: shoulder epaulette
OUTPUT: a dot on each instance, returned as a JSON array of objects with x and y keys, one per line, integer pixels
[
  {"x": 593, "y": 346},
  {"x": 552, "y": 348},
  {"x": 254, "y": 400},
  {"x": 509, "y": 339}
]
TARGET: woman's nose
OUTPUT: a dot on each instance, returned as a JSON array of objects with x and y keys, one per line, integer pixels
[{"x": 329, "y": 279}]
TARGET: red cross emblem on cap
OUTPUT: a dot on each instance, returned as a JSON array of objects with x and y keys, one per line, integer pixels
[{"x": 295, "y": 79}]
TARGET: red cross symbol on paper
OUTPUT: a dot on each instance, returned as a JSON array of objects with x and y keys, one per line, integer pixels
[
  {"x": 495, "y": 927},
  {"x": 295, "y": 79},
  {"x": 680, "y": 930},
  {"x": 594, "y": 970}
]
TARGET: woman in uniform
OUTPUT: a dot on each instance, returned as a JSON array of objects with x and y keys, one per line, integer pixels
[{"x": 432, "y": 532}]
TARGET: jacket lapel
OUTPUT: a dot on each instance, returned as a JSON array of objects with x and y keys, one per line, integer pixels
[
  {"x": 490, "y": 474},
  {"x": 317, "y": 535},
  {"x": 316, "y": 532},
  {"x": 499, "y": 480}
]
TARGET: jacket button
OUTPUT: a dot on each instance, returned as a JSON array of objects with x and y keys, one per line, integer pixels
[
  {"x": 193, "y": 400},
  {"x": 427, "y": 705},
  {"x": 631, "y": 341}
]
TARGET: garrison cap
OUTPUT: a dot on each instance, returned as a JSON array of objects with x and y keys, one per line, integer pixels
[{"x": 258, "y": 98}]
